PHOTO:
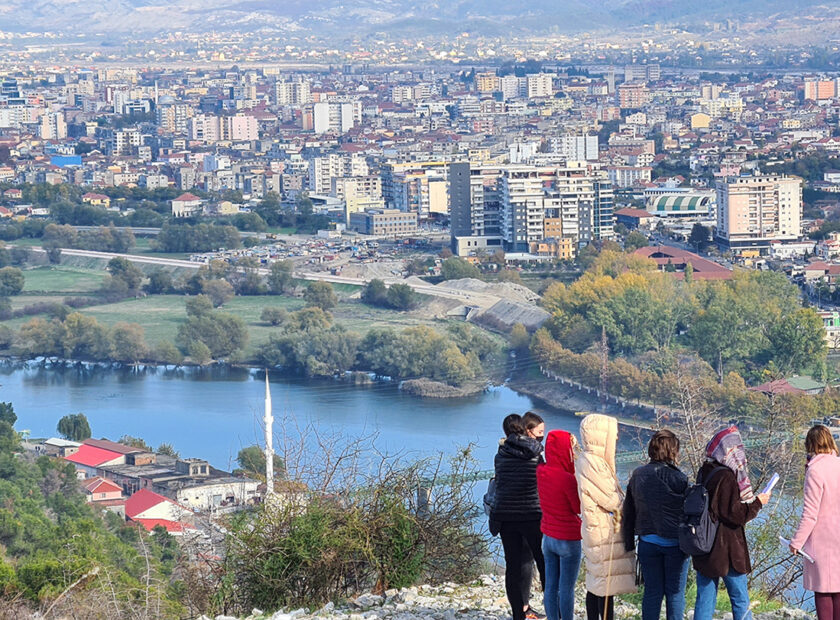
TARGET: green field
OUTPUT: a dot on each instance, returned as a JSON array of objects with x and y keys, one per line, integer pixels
[
  {"x": 160, "y": 315},
  {"x": 67, "y": 281}
]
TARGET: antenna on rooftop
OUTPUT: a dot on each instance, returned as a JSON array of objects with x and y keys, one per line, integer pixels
[{"x": 269, "y": 441}]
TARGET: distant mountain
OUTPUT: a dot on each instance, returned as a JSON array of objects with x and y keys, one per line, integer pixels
[{"x": 365, "y": 16}]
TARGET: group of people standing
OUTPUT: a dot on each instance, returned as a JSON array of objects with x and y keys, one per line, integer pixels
[{"x": 557, "y": 505}]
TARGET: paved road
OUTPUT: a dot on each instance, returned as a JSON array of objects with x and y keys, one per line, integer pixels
[{"x": 469, "y": 298}]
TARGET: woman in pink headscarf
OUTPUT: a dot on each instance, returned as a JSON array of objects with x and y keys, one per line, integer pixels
[{"x": 732, "y": 504}]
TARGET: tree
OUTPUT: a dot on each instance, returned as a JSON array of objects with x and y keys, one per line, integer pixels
[
  {"x": 321, "y": 295},
  {"x": 19, "y": 255},
  {"x": 85, "y": 338},
  {"x": 199, "y": 353},
  {"x": 223, "y": 334},
  {"x": 135, "y": 442},
  {"x": 126, "y": 271},
  {"x": 198, "y": 305},
  {"x": 168, "y": 353},
  {"x": 7, "y": 414},
  {"x": 274, "y": 316},
  {"x": 520, "y": 340},
  {"x": 634, "y": 241},
  {"x": 167, "y": 449},
  {"x": 160, "y": 282},
  {"x": 11, "y": 281},
  {"x": 700, "y": 235},
  {"x": 129, "y": 345},
  {"x": 797, "y": 341},
  {"x": 252, "y": 462},
  {"x": 53, "y": 253},
  {"x": 280, "y": 277},
  {"x": 219, "y": 291},
  {"x": 74, "y": 427},
  {"x": 510, "y": 275},
  {"x": 375, "y": 293},
  {"x": 455, "y": 268},
  {"x": 401, "y": 297}
]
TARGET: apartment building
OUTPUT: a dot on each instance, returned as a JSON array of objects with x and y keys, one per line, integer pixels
[
  {"x": 755, "y": 211},
  {"x": 384, "y": 222},
  {"x": 295, "y": 93}
]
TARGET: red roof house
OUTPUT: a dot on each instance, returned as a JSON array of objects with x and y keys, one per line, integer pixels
[
  {"x": 150, "y": 509},
  {"x": 99, "y": 489},
  {"x": 703, "y": 269},
  {"x": 93, "y": 457}
]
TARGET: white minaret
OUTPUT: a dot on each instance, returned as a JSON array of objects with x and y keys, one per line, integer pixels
[{"x": 269, "y": 441}]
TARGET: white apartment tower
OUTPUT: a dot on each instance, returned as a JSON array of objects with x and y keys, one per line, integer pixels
[{"x": 333, "y": 117}]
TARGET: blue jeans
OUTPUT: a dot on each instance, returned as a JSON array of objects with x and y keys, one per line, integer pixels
[
  {"x": 562, "y": 564},
  {"x": 736, "y": 586},
  {"x": 664, "y": 570}
]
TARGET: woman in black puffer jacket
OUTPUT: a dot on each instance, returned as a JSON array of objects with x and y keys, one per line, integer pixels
[{"x": 516, "y": 510}]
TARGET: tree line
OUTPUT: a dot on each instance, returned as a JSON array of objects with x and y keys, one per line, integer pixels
[{"x": 752, "y": 324}]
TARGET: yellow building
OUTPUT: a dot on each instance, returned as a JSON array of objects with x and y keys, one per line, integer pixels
[
  {"x": 562, "y": 248},
  {"x": 700, "y": 121},
  {"x": 486, "y": 82},
  {"x": 96, "y": 200}
]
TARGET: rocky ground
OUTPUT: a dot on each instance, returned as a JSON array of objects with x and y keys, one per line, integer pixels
[{"x": 483, "y": 600}]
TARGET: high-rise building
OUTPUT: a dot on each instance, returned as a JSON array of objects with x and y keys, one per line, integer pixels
[
  {"x": 516, "y": 206},
  {"x": 576, "y": 148},
  {"x": 486, "y": 82},
  {"x": 52, "y": 126},
  {"x": 632, "y": 95},
  {"x": 333, "y": 117},
  {"x": 753, "y": 211},
  {"x": 820, "y": 90},
  {"x": 292, "y": 93},
  {"x": 539, "y": 85},
  {"x": 173, "y": 117},
  {"x": 643, "y": 73},
  {"x": 323, "y": 170}
]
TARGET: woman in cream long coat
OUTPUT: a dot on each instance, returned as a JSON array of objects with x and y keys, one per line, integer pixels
[{"x": 610, "y": 570}]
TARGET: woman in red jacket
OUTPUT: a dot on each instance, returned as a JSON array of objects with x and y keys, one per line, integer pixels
[{"x": 560, "y": 525}]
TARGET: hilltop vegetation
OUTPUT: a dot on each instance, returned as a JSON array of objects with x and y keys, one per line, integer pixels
[{"x": 52, "y": 539}]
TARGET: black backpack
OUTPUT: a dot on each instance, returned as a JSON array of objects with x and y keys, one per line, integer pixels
[
  {"x": 490, "y": 496},
  {"x": 697, "y": 527}
]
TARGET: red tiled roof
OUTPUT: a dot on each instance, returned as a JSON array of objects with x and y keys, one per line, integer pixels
[
  {"x": 779, "y": 386},
  {"x": 703, "y": 269},
  {"x": 141, "y": 501},
  {"x": 99, "y": 484},
  {"x": 631, "y": 212},
  {"x": 187, "y": 197},
  {"x": 91, "y": 456}
]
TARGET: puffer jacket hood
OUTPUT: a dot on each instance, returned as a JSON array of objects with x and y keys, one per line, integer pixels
[
  {"x": 558, "y": 451},
  {"x": 517, "y": 498},
  {"x": 521, "y": 446},
  {"x": 598, "y": 436},
  {"x": 610, "y": 569}
]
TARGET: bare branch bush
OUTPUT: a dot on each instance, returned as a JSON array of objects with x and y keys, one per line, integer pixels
[{"x": 350, "y": 518}]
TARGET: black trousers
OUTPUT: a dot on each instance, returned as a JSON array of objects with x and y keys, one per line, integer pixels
[
  {"x": 522, "y": 544},
  {"x": 595, "y": 607}
]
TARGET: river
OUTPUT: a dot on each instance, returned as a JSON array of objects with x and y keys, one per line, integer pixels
[{"x": 212, "y": 412}]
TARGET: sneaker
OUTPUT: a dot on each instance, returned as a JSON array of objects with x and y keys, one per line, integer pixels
[{"x": 532, "y": 614}]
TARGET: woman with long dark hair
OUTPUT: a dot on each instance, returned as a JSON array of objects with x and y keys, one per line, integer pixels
[{"x": 515, "y": 514}]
